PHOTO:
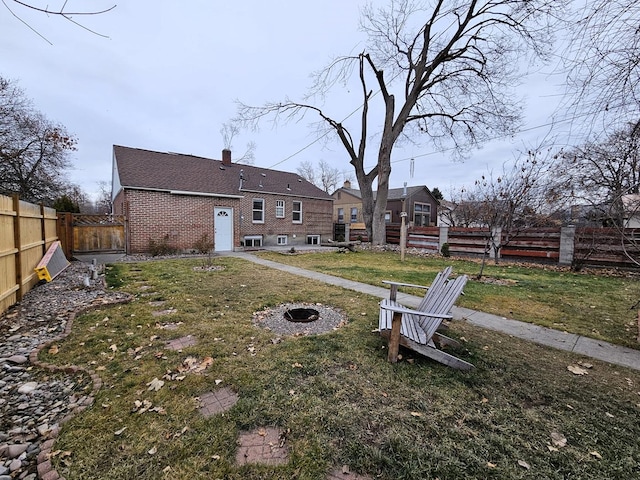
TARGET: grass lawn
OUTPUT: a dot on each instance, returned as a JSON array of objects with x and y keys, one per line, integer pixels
[
  {"x": 334, "y": 394},
  {"x": 595, "y": 306}
]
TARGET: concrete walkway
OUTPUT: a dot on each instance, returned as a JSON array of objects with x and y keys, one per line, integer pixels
[{"x": 589, "y": 347}]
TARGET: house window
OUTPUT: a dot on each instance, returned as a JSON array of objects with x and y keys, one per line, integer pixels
[
  {"x": 282, "y": 239},
  {"x": 421, "y": 214},
  {"x": 297, "y": 212},
  {"x": 354, "y": 214},
  {"x": 279, "y": 208},
  {"x": 258, "y": 210},
  {"x": 313, "y": 239},
  {"x": 387, "y": 216},
  {"x": 253, "y": 241},
  {"x": 341, "y": 215}
]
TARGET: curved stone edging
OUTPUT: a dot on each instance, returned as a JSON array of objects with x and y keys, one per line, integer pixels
[{"x": 44, "y": 466}]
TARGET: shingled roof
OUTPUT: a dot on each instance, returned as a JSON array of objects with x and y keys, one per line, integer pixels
[{"x": 180, "y": 173}]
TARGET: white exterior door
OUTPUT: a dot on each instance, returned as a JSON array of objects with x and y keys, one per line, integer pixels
[{"x": 223, "y": 229}]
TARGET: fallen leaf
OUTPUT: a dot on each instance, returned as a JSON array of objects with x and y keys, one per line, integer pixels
[
  {"x": 416, "y": 414},
  {"x": 100, "y": 368},
  {"x": 345, "y": 470},
  {"x": 218, "y": 381},
  {"x": 113, "y": 348},
  {"x": 120, "y": 432},
  {"x": 296, "y": 365},
  {"x": 585, "y": 364},
  {"x": 609, "y": 415},
  {"x": 53, "y": 350},
  {"x": 155, "y": 384},
  {"x": 558, "y": 439},
  {"x": 552, "y": 449},
  {"x": 166, "y": 469},
  {"x": 576, "y": 370},
  {"x": 153, "y": 451},
  {"x": 262, "y": 432},
  {"x": 524, "y": 464},
  {"x": 491, "y": 465},
  {"x": 596, "y": 455}
]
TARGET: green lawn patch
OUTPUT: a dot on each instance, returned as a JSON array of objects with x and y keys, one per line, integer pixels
[
  {"x": 335, "y": 396},
  {"x": 589, "y": 304}
]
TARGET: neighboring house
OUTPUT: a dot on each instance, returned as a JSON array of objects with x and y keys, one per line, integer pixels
[
  {"x": 347, "y": 204},
  {"x": 631, "y": 204},
  {"x": 420, "y": 205},
  {"x": 185, "y": 200}
]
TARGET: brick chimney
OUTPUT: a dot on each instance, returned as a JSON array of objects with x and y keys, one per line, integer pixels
[
  {"x": 347, "y": 184},
  {"x": 226, "y": 157}
]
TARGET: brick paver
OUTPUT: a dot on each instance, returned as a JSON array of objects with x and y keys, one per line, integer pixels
[
  {"x": 182, "y": 342},
  {"x": 212, "y": 403},
  {"x": 264, "y": 445}
]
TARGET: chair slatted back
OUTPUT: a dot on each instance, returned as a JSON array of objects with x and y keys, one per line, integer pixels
[{"x": 440, "y": 303}]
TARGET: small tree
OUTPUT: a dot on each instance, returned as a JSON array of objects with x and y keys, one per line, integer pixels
[
  {"x": 65, "y": 204},
  {"x": 507, "y": 204}
]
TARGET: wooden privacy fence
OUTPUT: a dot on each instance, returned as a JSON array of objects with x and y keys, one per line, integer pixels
[
  {"x": 83, "y": 234},
  {"x": 26, "y": 231},
  {"x": 563, "y": 245}
]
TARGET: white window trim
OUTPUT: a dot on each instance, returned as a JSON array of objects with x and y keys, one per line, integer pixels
[
  {"x": 353, "y": 218},
  {"x": 283, "y": 212},
  {"x": 294, "y": 211},
  {"x": 282, "y": 240},
  {"x": 424, "y": 212},
  {"x": 252, "y": 238},
  {"x": 253, "y": 210},
  {"x": 314, "y": 237}
]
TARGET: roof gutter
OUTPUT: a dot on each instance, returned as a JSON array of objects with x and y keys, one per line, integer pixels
[{"x": 180, "y": 192}]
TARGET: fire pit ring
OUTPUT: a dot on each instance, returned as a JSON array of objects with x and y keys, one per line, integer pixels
[
  {"x": 302, "y": 315},
  {"x": 276, "y": 319}
]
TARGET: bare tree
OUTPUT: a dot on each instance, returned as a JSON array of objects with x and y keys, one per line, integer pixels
[
  {"x": 324, "y": 176},
  {"x": 505, "y": 205},
  {"x": 63, "y": 13},
  {"x": 603, "y": 61},
  {"x": 103, "y": 202},
  {"x": 601, "y": 174},
  {"x": 444, "y": 68},
  {"x": 34, "y": 152},
  {"x": 229, "y": 132}
]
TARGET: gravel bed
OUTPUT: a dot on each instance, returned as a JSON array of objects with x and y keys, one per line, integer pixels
[
  {"x": 273, "y": 319},
  {"x": 34, "y": 401}
]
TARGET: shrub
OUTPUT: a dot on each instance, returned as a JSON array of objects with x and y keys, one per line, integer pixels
[
  {"x": 161, "y": 247},
  {"x": 204, "y": 245},
  {"x": 445, "y": 250}
]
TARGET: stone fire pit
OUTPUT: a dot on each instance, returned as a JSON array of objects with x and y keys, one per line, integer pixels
[{"x": 300, "y": 318}]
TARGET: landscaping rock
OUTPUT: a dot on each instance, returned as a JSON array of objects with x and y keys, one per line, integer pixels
[{"x": 34, "y": 401}]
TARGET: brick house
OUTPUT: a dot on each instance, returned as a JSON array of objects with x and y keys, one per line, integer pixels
[
  {"x": 420, "y": 205},
  {"x": 183, "y": 200}
]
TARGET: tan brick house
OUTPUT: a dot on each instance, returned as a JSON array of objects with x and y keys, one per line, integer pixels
[
  {"x": 420, "y": 205},
  {"x": 182, "y": 199}
]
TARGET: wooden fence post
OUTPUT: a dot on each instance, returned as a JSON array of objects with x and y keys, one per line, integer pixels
[{"x": 17, "y": 240}]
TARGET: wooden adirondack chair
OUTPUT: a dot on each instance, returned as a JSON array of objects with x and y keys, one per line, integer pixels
[{"x": 416, "y": 329}]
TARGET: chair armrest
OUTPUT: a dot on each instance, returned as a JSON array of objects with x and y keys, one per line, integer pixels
[
  {"x": 401, "y": 309},
  {"x": 391, "y": 282}
]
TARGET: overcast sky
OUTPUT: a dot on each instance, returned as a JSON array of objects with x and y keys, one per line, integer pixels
[{"x": 168, "y": 75}]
